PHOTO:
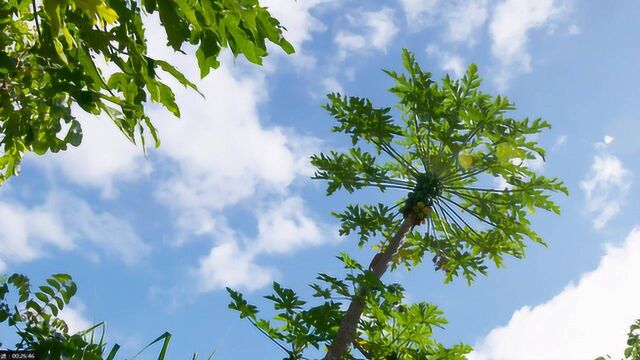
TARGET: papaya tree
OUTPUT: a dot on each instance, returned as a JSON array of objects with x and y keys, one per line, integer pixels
[
  {"x": 54, "y": 53},
  {"x": 462, "y": 167}
]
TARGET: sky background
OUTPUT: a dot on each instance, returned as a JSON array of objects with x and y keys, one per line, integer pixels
[{"x": 227, "y": 199}]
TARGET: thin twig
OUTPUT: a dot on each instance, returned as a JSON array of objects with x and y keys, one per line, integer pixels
[
  {"x": 461, "y": 219},
  {"x": 505, "y": 191},
  {"x": 35, "y": 16},
  {"x": 476, "y": 215},
  {"x": 269, "y": 336}
]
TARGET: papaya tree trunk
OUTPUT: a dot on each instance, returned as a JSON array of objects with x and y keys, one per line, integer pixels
[{"x": 379, "y": 265}]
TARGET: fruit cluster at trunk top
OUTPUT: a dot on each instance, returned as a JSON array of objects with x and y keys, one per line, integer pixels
[{"x": 421, "y": 199}]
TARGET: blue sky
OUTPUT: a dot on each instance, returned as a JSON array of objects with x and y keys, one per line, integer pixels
[{"x": 227, "y": 199}]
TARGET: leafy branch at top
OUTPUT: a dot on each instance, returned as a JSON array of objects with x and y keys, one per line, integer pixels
[{"x": 51, "y": 51}]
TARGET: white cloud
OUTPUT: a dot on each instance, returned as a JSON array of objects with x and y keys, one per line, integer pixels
[
  {"x": 608, "y": 140},
  {"x": 536, "y": 164},
  {"x": 283, "y": 227},
  {"x": 218, "y": 159},
  {"x": 382, "y": 26},
  {"x": 448, "y": 62},
  {"x": 455, "y": 64},
  {"x": 501, "y": 183},
  {"x": 574, "y": 29},
  {"x": 73, "y": 316},
  {"x": 64, "y": 222},
  {"x": 228, "y": 265},
  {"x": 26, "y": 234},
  {"x": 464, "y": 19},
  {"x": 561, "y": 140},
  {"x": 347, "y": 41},
  {"x": 331, "y": 84},
  {"x": 379, "y": 30},
  {"x": 223, "y": 154},
  {"x": 419, "y": 13},
  {"x": 510, "y": 25},
  {"x": 586, "y": 320},
  {"x": 104, "y": 158},
  {"x": 110, "y": 234},
  {"x": 605, "y": 188},
  {"x": 297, "y": 17}
]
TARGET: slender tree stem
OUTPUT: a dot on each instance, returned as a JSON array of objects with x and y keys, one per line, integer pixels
[
  {"x": 379, "y": 265},
  {"x": 453, "y": 177},
  {"x": 270, "y": 337},
  {"x": 420, "y": 145},
  {"x": 472, "y": 198},
  {"x": 389, "y": 150},
  {"x": 505, "y": 191},
  {"x": 476, "y": 215},
  {"x": 35, "y": 16},
  {"x": 461, "y": 218}
]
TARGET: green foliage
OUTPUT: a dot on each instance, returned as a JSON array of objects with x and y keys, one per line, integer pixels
[
  {"x": 51, "y": 56},
  {"x": 391, "y": 330},
  {"x": 35, "y": 319},
  {"x": 367, "y": 220},
  {"x": 632, "y": 352},
  {"x": 455, "y": 140},
  {"x": 452, "y": 143}
]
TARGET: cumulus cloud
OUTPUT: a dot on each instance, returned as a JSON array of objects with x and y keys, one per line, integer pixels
[
  {"x": 378, "y": 32},
  {"x": 100, "y": 230},
  {"x": 229, "y": 265},
  {"x": 225, "y": 154},
  {"x": 605, "y": 188},
  {"x": 331, "y": 84},
  {"x": 27, "y": 233},
  {"x": 297, "y": 17},
  {"x": 73, "y": 316},
  {"x": 461, "y": 19},
  {"x": 104, "y": 158},
  {"x": 511, "y": 23},
  {"x": 221, "y": 152},
  {"x": 64, "y": 222},
  {"x": 219, "y": 159},
  {"x": 283, "y": 227},
  {"x": 606, "y": 141},
  {"x": 448, "y": 62},
  {"x": 419, "y": 13},
  {"x": 584, "y": 321}
]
